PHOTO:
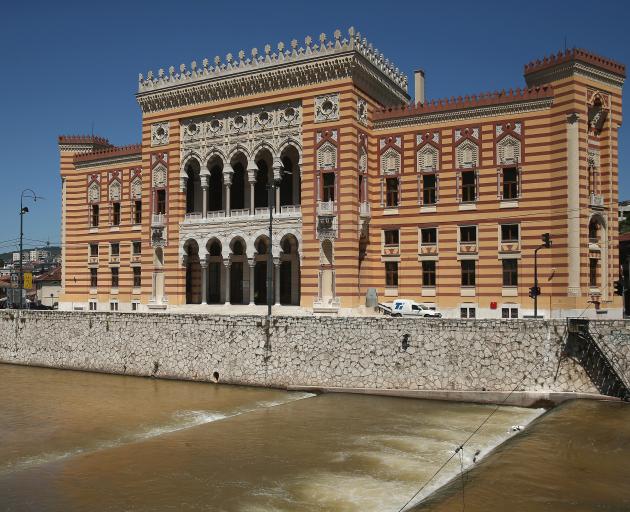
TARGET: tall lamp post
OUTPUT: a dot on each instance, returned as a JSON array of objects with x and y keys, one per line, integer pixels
[
  {"x": 534, "y": 291},
  {"x": 27, "y": 193},
  {"x": 271, "y": 199}
]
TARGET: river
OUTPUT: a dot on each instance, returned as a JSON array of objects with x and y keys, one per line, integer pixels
[{"x": 73, "y": 441}]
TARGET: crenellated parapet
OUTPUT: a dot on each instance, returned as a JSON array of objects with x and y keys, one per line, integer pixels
[
  {"x": 289, "y": 66},
  {"x": 465, "y": 106},
  {"x": 575, "y": 54},
  {"x": 574, "y": 61}
]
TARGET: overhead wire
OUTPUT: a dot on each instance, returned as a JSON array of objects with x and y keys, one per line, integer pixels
[{"x": 461, "y": 446}]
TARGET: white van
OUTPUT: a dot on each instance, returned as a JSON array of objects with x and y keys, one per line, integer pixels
[{"x": 405, "y": 307}]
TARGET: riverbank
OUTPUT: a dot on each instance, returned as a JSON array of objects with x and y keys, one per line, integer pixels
[{"x": 381, "y": 354}]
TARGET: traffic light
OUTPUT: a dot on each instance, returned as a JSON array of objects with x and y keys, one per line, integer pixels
[
  {"x": 546, "y": 239},
  {"x": 619, "y": 287},
  {"x": 534, "y": 291}
]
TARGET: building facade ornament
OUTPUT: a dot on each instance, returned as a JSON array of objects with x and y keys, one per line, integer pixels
[
  {"x": 326, "y": 108},
  {"x": 115, "y": 191},
  {"x": 94, "y": 192},
  {"x": 159, "y": 134},
  {"x": 362, "y": 111}
]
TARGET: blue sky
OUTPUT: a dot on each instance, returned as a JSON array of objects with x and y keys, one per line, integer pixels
[{"x": 70, "y": 66}]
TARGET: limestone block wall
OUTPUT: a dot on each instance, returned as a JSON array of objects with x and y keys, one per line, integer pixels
[{"x": 491, "y": 355}]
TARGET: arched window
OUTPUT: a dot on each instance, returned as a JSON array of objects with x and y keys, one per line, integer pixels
[
  {"x": 215, "y": 248},
  {"x": 237, "y": 248}
]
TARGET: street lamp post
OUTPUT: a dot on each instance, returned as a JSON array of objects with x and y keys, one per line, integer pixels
[
  {"x": 271, "y": 199},
  {"x": 534, "y": 292},
  {"x": 26, "y": 194}
]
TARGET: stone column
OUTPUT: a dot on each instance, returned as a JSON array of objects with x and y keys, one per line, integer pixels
[
  {"x": 277, "y": 178},
  {"x": 251, "y": 178},
  {"x": 228, "y": 172},
  {"x": 204, "y": 281},
  {"x": 204, "y": 195},
  {"x": 296, "y": 185},
  {"x": 252, "y": 267},
  {"x": 276, "y": 264},
  {"x": 228, "y": 263},
  {"x": 573, "y": 206}
]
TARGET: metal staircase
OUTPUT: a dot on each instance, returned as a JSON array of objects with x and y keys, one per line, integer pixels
[{"x": 602, "y": 371}]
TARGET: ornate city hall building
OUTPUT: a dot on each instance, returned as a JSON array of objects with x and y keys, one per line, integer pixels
[{"x": 443, "y": 202}]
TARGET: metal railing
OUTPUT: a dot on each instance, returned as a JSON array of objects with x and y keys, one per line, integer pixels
[{"x": 602, "y": 371}]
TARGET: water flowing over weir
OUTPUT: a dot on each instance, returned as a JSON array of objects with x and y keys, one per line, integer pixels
[{"x": 76, "y": 441}]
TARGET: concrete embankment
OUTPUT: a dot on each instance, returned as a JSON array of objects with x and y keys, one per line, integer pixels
[{"x": 481, "y": 360}]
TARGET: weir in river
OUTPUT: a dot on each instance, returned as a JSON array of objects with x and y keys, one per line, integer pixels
[{"x": 84, "y": 441}]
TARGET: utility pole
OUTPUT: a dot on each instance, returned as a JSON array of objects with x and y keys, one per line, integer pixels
[{"x": 26, "y": 193}]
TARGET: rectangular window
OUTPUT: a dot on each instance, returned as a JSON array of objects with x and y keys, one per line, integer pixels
[
  {"x": 93, "y": 277},
  {"x": 509, "y": 233},
  {"x": 328, "y": 186},
  {"x": 592, "y": 272},
  {"x": 160, "y": 201},
  {"x": 137, "y": 277},
  {"x": 429, "y": 236},
  {"x": 115, "y": 214},
  {"x": 510, "y": 272},
  {"x": 95, "y": 216},
  {"x": 467, "y": 312},
  {"x": 135, "y": 306},
  {"x": 468, "y": 234},
  {"x": 508, "y": 312},
  {"x": 114, "y": 249},
  {"x": 469, "y": 186},
  {"x": 114, "y": 277},
  {"x": 92, "y": 305},
  {"x": 391, "y": 192},
  {"x": 391, "y": 237},
  {"x": 428, "y": 273},
  {"x": 113, "y": 306},
  {"x": 94, "y": 250},
  {"x": 391, "y": 274},
  {"x": 468, "y": 272},
  {"x": 137, "y": 212},
  {"x": 510, "y": 183},
  {"x": 429, "y": 189},
  {"x": 136, "y": 248}
]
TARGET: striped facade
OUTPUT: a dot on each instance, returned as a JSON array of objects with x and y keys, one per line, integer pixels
[{"x": 442, "y": 202}]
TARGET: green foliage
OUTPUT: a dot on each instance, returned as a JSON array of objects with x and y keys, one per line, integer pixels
[{"x": 624, "y": 226}]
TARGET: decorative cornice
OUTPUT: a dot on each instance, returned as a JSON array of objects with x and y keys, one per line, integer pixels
[
  {"x": 573, "y": 55},
  {"x": 82, "y": 143},
  {"x": 114, "y": 155},
  {"x": 573, "y": 68},
  {"x": 353, "y": 57},
  {"x": 468, "y": 107}
]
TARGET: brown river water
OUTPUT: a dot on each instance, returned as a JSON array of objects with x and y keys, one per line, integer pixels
[{"x": 74, "y": 441}]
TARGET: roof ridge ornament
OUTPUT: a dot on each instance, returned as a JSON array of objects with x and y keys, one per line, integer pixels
[{"x": 326, "y": 46}]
